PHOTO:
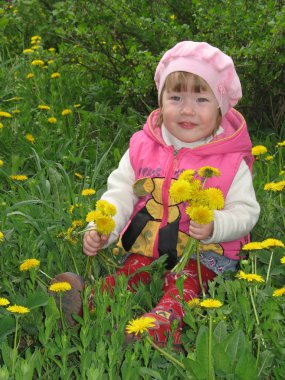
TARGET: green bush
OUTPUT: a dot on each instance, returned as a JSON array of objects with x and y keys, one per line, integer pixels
[{"x": 117, "y": 45}]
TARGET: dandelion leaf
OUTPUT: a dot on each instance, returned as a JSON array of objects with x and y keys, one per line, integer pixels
[
  {"x": 7, "y": 326},
  {"x": 37, "y": 299}
]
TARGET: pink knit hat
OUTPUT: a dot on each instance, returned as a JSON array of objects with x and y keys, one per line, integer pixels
[{"x": 207, "y": 61}]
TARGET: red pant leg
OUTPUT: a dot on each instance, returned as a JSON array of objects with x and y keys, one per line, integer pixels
[
  {"x": 191, "y": 289},
  {"x": 131, "y": 265},
  {"x": 169, "y": 308}
]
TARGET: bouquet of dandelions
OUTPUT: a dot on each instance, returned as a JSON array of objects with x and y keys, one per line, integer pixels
[
  {"x": 201, "y": 202},
  {"x": 101, "y": 220}
]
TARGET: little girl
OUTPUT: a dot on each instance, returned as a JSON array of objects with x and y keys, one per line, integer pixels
[{"x": 194, "y": 126}]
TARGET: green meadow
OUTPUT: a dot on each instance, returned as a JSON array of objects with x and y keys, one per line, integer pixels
[{"x": 76, "y": 81}]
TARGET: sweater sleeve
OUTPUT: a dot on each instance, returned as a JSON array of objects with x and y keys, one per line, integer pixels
[
  {"x": 120, "y": 193},
  {"x": 241, "y": 211}
]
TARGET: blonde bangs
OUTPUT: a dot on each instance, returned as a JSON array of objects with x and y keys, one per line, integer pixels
[{"x": 183, "y": 81}]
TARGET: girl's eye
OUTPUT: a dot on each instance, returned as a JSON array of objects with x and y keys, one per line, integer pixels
[
  {"x": 202, "y": 100},
  {"x": 176, "y": 98}
]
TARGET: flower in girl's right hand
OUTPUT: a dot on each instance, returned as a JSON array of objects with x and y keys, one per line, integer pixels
[{"x": 102, "y": 217}]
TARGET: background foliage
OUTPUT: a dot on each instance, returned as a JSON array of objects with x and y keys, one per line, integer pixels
[
  {"x": 117, "y": 45},
  {"x": 105, "y": 53}
]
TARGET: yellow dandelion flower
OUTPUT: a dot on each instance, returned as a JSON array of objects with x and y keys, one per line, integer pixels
[
  {"x": 29, "y": 264},
  {"x": 282, "y": 260},
  {"x": 50, "y": 62},
  {"x": 70, "y": 236},
  {"x": 279, "y": 292},
  {"x": 1, "y": 237},
  {"x": 211, "y": 303},
  {"x": 77, "y": 105},
  {"x": 29, "y": 75},
  {"x": 72, "y": 207},
  {"x": 250, "y": 277},
  {"x": 28, "y": 51},
  {"x": 215, "y": 197},
  {"x": 106, "y": 208},
  {"x": 43, "y": 107},
  {"x": 93, "y": 215},
  {"x": 4, "y": 302},
  {"x": 105, "y": 224},
  {"x": 52, "y": 50},
  {"x": 52, "y": 120},
  {"x": 140, "y": 325},
  {"x": 16, "y": 309},
  {"x": 172, "y": 17},
  {"x": 252, "y": 246},
  {"x": 77, "y": 223},
  {"x": 29, "y": 137},
  {"x": 180, "y": 191},
  {"x": 280, "y": 144},
  {"x": 38, "y": 62},
  {"x": 1, "y": 126},
  {"x": 258, "y": 150},
  {"x": 269, "y": 243},
  {"x": 5, "y": 114},
  {"x": 15, "y": 112},
  {"x": 275, "y": 186},
  {"x": 78, "y": 175},
  {"x": 35, "y": 47},
  {"x": 115, "y": 251},
  {"x": 194, "y": 302},
  {"x": 208, "y": 172},
  {"x": 88, "y": 192},
  {"x": 55, "y": 75},
  {"x": 187, "y": 175},
  {"x": 60, "y": 287},
  {"x": 66, "y": 112},
  {"x": 268, "y": 158},
  {"x": 19, "y": 177},
  {"x": 36, "y": 38},
  {"x": 200, "y": 214},
  {"x": 1, "y": 163}
]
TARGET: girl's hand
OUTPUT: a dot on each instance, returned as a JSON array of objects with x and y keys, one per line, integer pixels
[
  {"x": 93, "y": 242},
  {"x": 201, "y": 231}
]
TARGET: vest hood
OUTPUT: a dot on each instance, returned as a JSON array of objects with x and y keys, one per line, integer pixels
[{"x": 235, "y": 137}]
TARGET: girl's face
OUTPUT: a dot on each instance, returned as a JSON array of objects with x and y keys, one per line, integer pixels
[{"x": 190, "y": 112}]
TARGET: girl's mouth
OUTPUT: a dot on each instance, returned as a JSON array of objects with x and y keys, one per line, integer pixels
[{"x": 187, "y": 125}]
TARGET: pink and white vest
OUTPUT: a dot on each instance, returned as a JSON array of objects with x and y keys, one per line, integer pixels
[{"x": 157, "y": 225}]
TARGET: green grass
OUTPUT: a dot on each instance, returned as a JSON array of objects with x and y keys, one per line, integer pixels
[{"x": 247, "y": 332}]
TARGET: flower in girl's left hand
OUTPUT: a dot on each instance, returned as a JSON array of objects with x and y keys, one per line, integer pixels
[{"x": 200, "y": 214}]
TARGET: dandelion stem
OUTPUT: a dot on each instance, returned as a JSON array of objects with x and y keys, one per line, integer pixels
[
  {"x": 41, "y": 281},
  {"x": 50, "y": 278},
  {"x": 253, "y": 305},
  {"x": 15, "y": 345},
  {"x": 86, "y": 230},
  {"x": 165, "y": 354},
  {"x": 72, "y": 258},
  {"x": 269, "y": 267},
  {"x": 210, "y": 374},
  {"x": 258, "y": 352},
  {"x": 60, "y": 310},
  {"x": 255, "y": 314},
  {"x": 199, "y": 270},
  {"x": 281, "y": 205},
  {"x": 88, "y": 267}
]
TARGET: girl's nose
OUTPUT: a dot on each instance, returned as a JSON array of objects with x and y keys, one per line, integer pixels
[{"x": 188, "y": 108}]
